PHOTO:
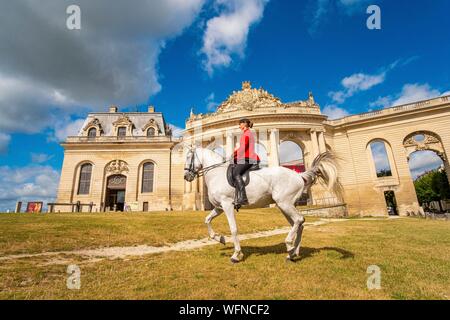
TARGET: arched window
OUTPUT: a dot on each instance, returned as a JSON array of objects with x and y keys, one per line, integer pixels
[
  {"x": 85, "y": 179},
  {"x": 148, "y": 172},
  {"x": 92, "y": 133},
  {"x": 380, "y": 158},
  {"x": 291, "y": 156},
  {"x": 151, "y": 132},
  {"x": 121, "y": 132}
]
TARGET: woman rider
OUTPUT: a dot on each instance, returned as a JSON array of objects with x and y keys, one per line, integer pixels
[{"x": 244, "y": 158}]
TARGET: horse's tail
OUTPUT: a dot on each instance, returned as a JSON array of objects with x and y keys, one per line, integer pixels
[{"x": 324, "y": 169}]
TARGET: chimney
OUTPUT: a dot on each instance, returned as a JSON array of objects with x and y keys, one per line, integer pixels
[
  {"x": 151, "y": 109},
  {"x": 113, "y": 109}
]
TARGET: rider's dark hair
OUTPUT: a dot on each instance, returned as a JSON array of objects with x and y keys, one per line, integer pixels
[{"x": 246, "y": 121}]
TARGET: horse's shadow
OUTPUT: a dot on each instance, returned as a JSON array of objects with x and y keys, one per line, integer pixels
[{"x": 305, "y": 252}]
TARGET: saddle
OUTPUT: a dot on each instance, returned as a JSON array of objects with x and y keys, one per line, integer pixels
[{"x": 245, "y": 176}]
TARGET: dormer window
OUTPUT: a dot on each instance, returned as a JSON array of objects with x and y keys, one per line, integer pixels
[
  {"x": 151, "y": 132},
  {"x": 123, "y": 127},
  {"x": 92, "y": 133},
  {"x": 93, "y": 129},
  {"x": 121, "y": 132},
  {"x": 151, "y": 129}
]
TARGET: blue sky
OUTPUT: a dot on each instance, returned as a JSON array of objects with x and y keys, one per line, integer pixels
[{"x": 193, "y": 53}]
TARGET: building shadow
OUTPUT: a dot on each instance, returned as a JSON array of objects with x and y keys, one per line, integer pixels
[{"x": 305, "y": 252}]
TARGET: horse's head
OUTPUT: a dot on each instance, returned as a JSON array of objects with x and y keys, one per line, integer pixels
[{"x": 192, "y": 165}]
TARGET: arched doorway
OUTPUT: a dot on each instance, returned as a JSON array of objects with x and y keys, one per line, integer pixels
[
  {"x": 429, "y": 169},
  {"x": 115, "y": 192},
  {"x": 291, "y": 157},
  {"x": 430, "y": 180}
]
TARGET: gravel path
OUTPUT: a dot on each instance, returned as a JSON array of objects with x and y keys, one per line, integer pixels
[{"x": 94, "y": 255}]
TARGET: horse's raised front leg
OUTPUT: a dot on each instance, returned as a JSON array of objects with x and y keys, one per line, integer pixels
[
  {"x": 294, "y": 236},
  {"x": 214, "y": 214},
  {"x": 229, "y": 211}
]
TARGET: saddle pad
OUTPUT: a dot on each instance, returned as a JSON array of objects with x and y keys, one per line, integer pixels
[{"x": 245, "y": 176}]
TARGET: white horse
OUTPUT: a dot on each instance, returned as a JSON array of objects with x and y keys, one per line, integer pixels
[{"x": 268, "y": 185}]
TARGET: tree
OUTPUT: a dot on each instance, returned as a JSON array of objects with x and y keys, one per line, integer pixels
[{"x": 432, "y": 186}]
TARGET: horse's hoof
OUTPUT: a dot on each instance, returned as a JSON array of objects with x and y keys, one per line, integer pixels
[
  {"x": 290, "y": 258},
  {"x": 234, "y": 260},
  {"x": 222, "y": 240}
]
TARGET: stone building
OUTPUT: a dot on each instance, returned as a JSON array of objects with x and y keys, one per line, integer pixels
[
  {"x": 131, "y": 161},
  {"x": 117, "y": 159}
]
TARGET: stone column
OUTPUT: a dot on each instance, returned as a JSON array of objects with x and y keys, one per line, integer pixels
[
  {"x": 314, "y": 143},
  {"x": 322, "y": 145},
  {"x": 446, "y": 149},
  {"x": 274, "y": 159},
  {"x": 229, "y": 148},
  {"x": 18, "y": 207}
]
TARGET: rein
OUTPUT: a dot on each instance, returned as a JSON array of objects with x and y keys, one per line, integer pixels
[{"x": 202, "y": 171}]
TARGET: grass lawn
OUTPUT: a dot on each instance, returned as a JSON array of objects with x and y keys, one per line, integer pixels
[
  {"x": 413, "y": 255},
  {"x": 33, "y": 233}
]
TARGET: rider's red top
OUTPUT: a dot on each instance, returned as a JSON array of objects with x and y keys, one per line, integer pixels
[{"x": 247, "y": 147}]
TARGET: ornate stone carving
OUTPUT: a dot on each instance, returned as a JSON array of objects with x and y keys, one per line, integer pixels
[
  {"x": 152, "y": 124},
  {"x": 429, "y": 142},
  {"x": 249, "y": 98},
  {"x": 311, "y": 102},
  {"x": 428, "y": 139},
  {"x": 94, "y": 123},
  {"x": 123, "y": 121},
  {"x": 289, "y": 136},
  {"x": 117, "y": 182},
  {"x": 117, "y": 167}
]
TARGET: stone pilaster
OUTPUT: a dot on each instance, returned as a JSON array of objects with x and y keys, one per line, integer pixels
[{"x": 274, "y": 157}]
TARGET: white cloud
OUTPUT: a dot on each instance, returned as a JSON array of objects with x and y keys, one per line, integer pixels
[
  {"x": 354, "y": 7},
  {"x": 210, "y": 103},
  {"x": 112, "y": 59},
  {"x": 4, "y": 142},
  {"x": 423, "y": 161},
  {"x": 362, "y": 82},
  {"x": 226, "y": 35},
  {"x": 381, "y": 102},
  {"x": 334, "y": 112},
  {"x": 410, "y": 93},
  {"x": 30, "y": 183},
  {"x": 177, "y": 132},
  {"x": 356, "y": 83},
  {"x": 40, "y": 157},
  {"x": 416, "y": 92},
  {"x": 320, "y": 10},
  {"x": 359, "y": 82},
  {"x": 64, "y": 128}
]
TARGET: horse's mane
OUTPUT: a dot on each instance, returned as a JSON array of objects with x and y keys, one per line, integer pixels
[{"x": 213, "y": 156}]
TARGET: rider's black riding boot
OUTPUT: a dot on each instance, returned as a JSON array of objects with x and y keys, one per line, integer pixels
[{"x": 241, "y": 194}]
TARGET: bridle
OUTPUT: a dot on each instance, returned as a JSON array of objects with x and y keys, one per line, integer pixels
[{"x": 202, "y": 171}]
